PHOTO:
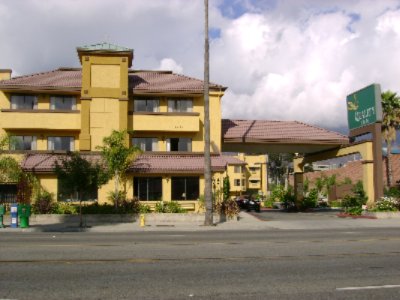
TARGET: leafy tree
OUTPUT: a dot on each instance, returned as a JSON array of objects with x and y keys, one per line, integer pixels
[
  {"x": 279, "y": 165},
  {"x": 390, "y": 124},
  {"x": 118, "y": 157},
  {"x": 226, "y": 187},
  {"x": 79, "y": 176}
]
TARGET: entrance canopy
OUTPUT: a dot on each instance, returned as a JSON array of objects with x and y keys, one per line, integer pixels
[{"x": 262, "y": 136}]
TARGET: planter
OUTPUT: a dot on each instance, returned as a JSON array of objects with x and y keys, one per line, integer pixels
[{"x": 383, "y": 215}]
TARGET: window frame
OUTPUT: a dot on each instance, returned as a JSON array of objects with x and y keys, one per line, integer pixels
[
  {"x": 148, "y": 108},
  {"x": 53, "y": 102},
  {"x": 156, "y": 196},
  {"x": 189, "y": 144},
  {"x": 184, "y": 196},
  {"x": 71, "y": 143},
  {"x": 141, "y": 143},
  {"x": 33, "y": 142},
  {"x": 175, "y": 105},
  {"x": 237, "y": 169},
  {"x": 14, "y": 104}
]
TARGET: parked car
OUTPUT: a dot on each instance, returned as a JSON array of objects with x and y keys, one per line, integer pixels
[{"x": 248, "y": 204}]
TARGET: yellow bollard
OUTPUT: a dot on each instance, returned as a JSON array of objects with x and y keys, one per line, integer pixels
[{"x": 142, "y": 221}]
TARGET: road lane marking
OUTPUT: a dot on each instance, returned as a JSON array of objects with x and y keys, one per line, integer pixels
[{"x": 370, "y": 287}]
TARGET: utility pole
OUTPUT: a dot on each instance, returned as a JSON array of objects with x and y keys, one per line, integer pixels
[{"x": 207, "y": 156}]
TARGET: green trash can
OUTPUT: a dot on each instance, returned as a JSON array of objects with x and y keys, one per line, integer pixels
[
  {"x": 24, "y": 212},
  {"x": 2, "y": 213}
]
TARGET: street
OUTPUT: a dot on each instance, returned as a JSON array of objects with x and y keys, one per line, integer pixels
[{"x": 275, "y": 264}]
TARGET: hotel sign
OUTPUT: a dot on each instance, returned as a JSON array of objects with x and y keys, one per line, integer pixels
[{"x": 364, "y": 107}]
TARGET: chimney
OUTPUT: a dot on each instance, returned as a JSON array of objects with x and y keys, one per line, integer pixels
[{"x": 5, "y": 74}]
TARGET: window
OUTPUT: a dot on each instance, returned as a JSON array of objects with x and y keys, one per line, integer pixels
[
  {"x": 60, "y": 143},
  {"x": 243, "y": 182},
  {"x": 185, "y": 188},
  {"x": 179, "y": 144},
  {"x": 146, "y": 144},
  {"x": 65, "y": 194},
  {"x": 23, "y": 102},
  {"x": 21, "y": 142},
  {"x": 180, "y": 105},
  {"x": 8, "y": 193},
  {"x": 62, "y": 103},
  {"x": 237, "y": 182},
  {"x": 150, "y": 105},
  {"x": 238, "y": 169},
  {"x": 148, "y": 188}
]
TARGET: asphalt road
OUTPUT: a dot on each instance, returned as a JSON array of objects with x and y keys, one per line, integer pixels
[{"x": 274, "y": 264}]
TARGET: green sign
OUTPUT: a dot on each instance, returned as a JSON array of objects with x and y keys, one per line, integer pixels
[{"x": 364, "y": 107}]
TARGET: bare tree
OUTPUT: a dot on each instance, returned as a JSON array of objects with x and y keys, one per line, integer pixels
[{"x": 207, "y": 156}]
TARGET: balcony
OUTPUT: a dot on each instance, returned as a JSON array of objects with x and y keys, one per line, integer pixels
[
  {"x": 40, "y": 119},
  {"x": 166, "y": 122}
]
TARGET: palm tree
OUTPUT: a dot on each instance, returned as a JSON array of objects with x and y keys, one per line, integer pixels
[
  {"x": 207, "y": 156},
  {"x": 390, "y": 124}
]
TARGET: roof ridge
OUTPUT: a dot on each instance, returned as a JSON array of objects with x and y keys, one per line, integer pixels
[
  {"x": 33, "y": 74},
  {"x": 321, "y": 128}
]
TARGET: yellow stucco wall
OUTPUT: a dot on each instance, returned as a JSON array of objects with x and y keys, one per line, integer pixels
[
  {"x": 254, "y": 170},
  {"x": 102, "y": 106}
]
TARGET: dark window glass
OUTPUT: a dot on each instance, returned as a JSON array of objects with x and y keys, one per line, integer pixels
[
  {"x": 8, "y": 193},
  {"x": 65, "y": 143},
  {"x": 65, "y": 193},
  {"x": 150, "y": 105},
  {"x": 62, "y": 103},
  {"x": 185, "y": 188},
  {"x": 23, "y": 102},
  {"x": 148, "y": 188},
  {"x": 23, "y": 142},
  {"x": 179, "y": 144}
]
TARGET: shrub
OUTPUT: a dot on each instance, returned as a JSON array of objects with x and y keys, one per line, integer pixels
[
  {"x": 269, "y": 203},
  {"x": 228, "y": 207},
  {"x": 311, "y": 201},
  {"x": 392, "y": 192},
  {"x": 64, "y": 208},
  {"x": 387, "y": 204},
  {"x": 96, "y": 208},
  {"x": 44, "y": 203},
  {"x": 277, "y": 193},
  {"x": 335, "y": 203},
  {"x": 169, "y": 207},
  {"x": 352, "y": 204},
  {"x": 144, "y": 208},
  {"x": 289, "y": 201}
]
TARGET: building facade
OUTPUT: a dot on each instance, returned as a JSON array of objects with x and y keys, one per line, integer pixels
[{"x": 73, "y": 109}]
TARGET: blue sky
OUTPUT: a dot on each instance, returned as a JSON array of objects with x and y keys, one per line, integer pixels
[{"x": 281, "y": 60}]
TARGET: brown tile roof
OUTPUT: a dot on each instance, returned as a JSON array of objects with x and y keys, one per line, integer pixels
[
  {"x": 57, "y": 79},
  {"x": 160, "y": 81},
  {"x": 264, "y": 131},
  {"x": 145, "y": 163},
  {"x": 139, "y": 81},
  {"x": 45, "y": 162},
  {"x": 231, "y": 160},
  {"x": 176, "y": 164}
]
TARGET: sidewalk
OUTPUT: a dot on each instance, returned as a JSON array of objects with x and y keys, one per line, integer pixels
[{"x": 247, "y": 221}]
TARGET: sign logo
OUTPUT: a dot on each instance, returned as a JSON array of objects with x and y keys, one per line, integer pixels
[{"x": 364, "y": 107}]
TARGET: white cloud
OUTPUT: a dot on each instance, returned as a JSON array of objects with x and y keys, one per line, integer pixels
[
  {"x": 290, "y": 59},
  {"x": 170, "y": 65}
]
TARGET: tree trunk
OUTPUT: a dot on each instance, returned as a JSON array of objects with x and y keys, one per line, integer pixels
[
  {"x": 80, "y": 210},
  {"x": 116, "y": 190},
  {"x": 207, "y": 156},
  {"x": 389, "y": 174}
]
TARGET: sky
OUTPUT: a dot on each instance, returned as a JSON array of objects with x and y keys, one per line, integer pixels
[{"x": 281, "y": 60}]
